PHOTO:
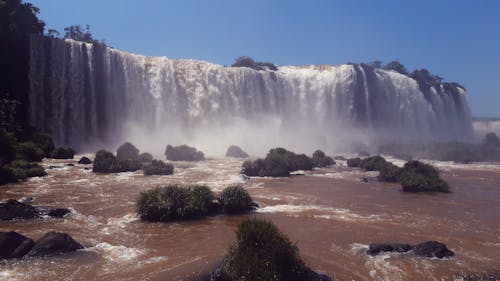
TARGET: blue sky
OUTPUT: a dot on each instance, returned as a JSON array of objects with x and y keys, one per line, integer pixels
[{"x": 456, "y": 39}]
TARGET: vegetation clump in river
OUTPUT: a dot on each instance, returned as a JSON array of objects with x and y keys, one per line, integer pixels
[
  {"x": 158, "y": 167},
  {"x": 279, "y": 162},
  {"x": 236, "y": 152},
  {"x": 415, "y": 176},
  {"x": 183, "y": 153},
  {"x": 235, "y": 199},
  {"x": 176, "y": 202},
  {"x": 106, "y": 162},
  {"x": 262, "y": 252}
]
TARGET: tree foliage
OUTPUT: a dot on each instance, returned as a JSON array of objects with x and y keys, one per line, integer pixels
[{"x": 79, "y": 33}]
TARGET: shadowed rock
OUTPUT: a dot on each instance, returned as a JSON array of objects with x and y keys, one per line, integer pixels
[
  {"x": 59, "y": 212},
  {"x": 14, "y": 245},
  {"x": 432, "y": 249},
  {"x": 85, "y": 161},
  {"x": 13, "y": 209},
  {"x": 54, "y": 243},
  {"x": 375, "y": 249}
]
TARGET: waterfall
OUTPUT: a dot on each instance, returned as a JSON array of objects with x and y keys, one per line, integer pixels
[{"x": 91, "y": 95}]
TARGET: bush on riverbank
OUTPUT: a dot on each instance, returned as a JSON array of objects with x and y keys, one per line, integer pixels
[
  {"x": 145, "y": 157},
  {"x": 183, "y": 153},
  {"x": 158, "y": 167},
  {"x": 262, "y": 252},
  {"x": 106, "y": 162},
  {"x": 235, "y": 199}
]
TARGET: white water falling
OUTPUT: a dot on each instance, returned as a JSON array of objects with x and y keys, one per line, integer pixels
[{"x": 90, "y": 95}]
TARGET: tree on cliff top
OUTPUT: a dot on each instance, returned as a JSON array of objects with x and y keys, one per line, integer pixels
[
  {"x": 79, "y": 33},
  {"x": 19, "y": 18}
]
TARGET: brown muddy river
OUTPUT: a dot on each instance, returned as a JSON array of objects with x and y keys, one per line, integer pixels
[{"x": 329, "y": 213}]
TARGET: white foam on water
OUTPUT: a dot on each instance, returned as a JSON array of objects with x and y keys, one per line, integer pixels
[
  {"x": 327, "y": 212},
  {"x": 382, "y": 270},
  {"x": 118, "y": 223},
  {"x": 13, "y": 274},
  {"x": 117, "y": 253}
]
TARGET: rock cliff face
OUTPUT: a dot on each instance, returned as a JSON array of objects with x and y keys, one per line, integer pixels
[{"x": 86, "y": 93}]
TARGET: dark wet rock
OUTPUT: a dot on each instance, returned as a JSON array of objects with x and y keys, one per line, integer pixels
[
  {"x": 431, "y": 249},
  {"x": 315, "y": 276},
  {"x": 236, "y": 152},
  {"x": 375, "y": 249},
  {"x": 14, "y": 245},
  {"x": 54, "y": 167},
  {"x": 13, "y": 209},
  {"x": 58, "y": 212},
  {"x": 70, "y": 164},
  {"x": 53, "y": 243},
  {"x": 63, "y": 153},
  {"x": 87, "y": 168},
  {"x": 364, "y": 179},
  {"x": 488, "y": 276},
  {"x": 85, "y": 161}
]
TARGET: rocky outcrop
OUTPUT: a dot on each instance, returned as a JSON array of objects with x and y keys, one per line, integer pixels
[
  {"x": 429, "y": 249},
  {"x": 13, "y": 209},
  {"x": 85, "y": 161},
  {"x": 14, "y": 245},
  {"x": 54, "y": 243}
]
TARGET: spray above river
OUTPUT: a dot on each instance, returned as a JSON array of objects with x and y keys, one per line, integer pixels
[{"x": 90, "y": 95}]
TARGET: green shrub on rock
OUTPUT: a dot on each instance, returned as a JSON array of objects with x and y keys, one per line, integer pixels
[
  {"x": 354, "y": 162},
  {"x": 235, "y": 199},
  {"x": 106, "y": 162},
  {"x": 420, "y": 177},
  {"x": 390, "y": 173},
  {"x": 63, "y": 153},
  {"x": 236, "y": 152},
  {"x": 145, "y": 157},
  {"x": 127, "y": 151},
  {"x": 262, "y": 252},
  {"x": 279, "y": 162},
  {"x": 183, "y": 153},
  {"x": 320, "y": 159},
  {"x": 174, "y": 202},
  {"x": 44, "y": 141},
  {"x": 29, "y": 151},
  {"x": 158, "y": 167},
  {"x": 22, "y": 170},
  {"x": 374, "y": 163}
]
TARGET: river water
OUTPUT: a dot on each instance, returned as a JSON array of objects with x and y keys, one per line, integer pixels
[{"x": 329, "y": 213}]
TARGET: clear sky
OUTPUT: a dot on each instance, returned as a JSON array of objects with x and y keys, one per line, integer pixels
[{"x": 456, "y": 39}]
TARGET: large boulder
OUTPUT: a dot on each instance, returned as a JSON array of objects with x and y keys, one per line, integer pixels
[
  {"x": 54, "y": 243},
  {"x": 127, "y": 151},
  {"x": 236, "y": 152},
  {"x": 183, "y": 153},
  {"x": 432, "y": 249},
  {"x": 106, "y": 162},
  {"x": 429, "y": 249},
  {"x": 14, "y": 245},
  {"x": 375, "y": 249},
  {"x": 13, "y": 209}
]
